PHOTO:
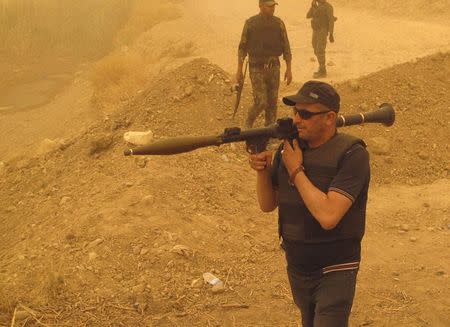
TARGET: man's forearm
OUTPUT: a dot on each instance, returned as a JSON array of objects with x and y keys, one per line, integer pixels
[
  {"x": 324, "y": 209},
  {"x": 288, "y": 65},
  {"x": 266, "y": 195},
  {"x": 311, "y": 12}
]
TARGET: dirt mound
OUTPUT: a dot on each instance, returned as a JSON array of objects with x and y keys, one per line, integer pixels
[
  {"x": 194, "y": 98},
  {"x": 92, "y": 237},
  {"x": 418, "y": 148}
]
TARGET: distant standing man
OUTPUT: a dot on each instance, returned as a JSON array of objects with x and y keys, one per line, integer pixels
[
  {"x": 322, "y": 23},
  {"x": 264, "y": 38}
]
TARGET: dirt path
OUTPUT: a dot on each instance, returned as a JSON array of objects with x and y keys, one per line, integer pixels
[{"x": 364, "y": 42}]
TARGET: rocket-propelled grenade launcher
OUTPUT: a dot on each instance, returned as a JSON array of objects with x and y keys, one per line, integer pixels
[{"x": 256, "y": 138}]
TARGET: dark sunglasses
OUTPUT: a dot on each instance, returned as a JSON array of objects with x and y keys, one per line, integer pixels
[{"x": 305, "y": 114}]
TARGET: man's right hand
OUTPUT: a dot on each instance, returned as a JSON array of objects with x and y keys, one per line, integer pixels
[
  {"x": 314, "y": 3},
  {"x": 261, "y": 161}
]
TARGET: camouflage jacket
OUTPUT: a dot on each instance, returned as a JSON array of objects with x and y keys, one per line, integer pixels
[{"x": 322, "y": 17}]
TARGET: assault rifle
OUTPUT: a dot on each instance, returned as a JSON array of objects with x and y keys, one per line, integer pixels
[
  {"x": 256, "y": 138},
  {"x": 238, "y": 89}
]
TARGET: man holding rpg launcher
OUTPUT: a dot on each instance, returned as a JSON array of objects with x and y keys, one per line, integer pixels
[{"x": 319, "y": 184}]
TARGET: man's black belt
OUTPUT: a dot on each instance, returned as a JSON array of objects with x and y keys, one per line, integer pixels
[{"x": 265, "y": 65}]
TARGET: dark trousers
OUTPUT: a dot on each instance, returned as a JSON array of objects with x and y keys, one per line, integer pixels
[
  {"x": 324, "y": 300},
  {"x": 319, "y": 43}
]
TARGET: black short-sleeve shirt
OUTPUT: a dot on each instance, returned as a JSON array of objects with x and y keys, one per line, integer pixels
[{"x": 352, "y": 181}]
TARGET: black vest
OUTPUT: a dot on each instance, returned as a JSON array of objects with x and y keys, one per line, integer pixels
[
  {"x": 264, "y": 37},
  {"x": 321, "y": 164}
]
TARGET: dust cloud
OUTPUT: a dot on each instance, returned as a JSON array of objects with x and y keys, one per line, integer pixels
[{"x": 90, "y": 237}]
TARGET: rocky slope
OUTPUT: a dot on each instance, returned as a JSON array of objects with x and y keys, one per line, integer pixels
[{"x": 90, "y": 237}]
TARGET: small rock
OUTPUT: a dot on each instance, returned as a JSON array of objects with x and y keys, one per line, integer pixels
[
  {"x": 197, "y": 283},
  {"x": 355, "y": 86},
  {"x": 440, "y": 273},
  {"x": 70, "y": 237},
  {"x": 138, "y": 288},
  {"x": 148, "y": 200},
  {"x": 364, "y": 106},
  {"x": 330, "y": 63},
  {"x": 217, "y": 284},
  {"x": 182, "y": 250},
  {"x": 144, "y": 251},
  {"x": 188, "y": 91},
  {"x": 95, "y": 243},
  {"x": 422, "y": 155},
  {"x": 138, "y": 138},
  {"x": 64, "y": 200},
  {"x": 137, "y": 249},
  {"x": 312, "y": 59},
  {"x": 92, "y": 255},
  {"x": 413, "y": 239},
  {"x": 225, "y": 158},
  {"x": 404, "y": 227}
]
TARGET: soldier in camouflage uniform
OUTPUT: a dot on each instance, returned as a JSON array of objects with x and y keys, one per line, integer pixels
[
  {"x": 264, "y": 39},
  {"x": 322, "y": 23}
]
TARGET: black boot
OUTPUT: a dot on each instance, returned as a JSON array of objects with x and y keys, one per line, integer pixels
[{"x": 321, "y": 73}]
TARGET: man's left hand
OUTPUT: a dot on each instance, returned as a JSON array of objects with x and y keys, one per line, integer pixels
[
  {"x": 292, "y": 156},
  {"x": 288, "y": 77},
  {"x": 331, "y": 38}
]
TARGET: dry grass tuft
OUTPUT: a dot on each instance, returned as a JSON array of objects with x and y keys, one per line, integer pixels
[
  {"x": 120, "y": 75},
  {"x": 55, "y": 284},
  {"x": 117, "y": 78}
]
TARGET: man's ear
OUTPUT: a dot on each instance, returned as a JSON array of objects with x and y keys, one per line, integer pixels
[{"x": 331, "y": 118}]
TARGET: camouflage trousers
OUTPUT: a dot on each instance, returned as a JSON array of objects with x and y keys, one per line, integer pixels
[
  {"x": 319, "y": 43},
  {"x": 265, "y": 84}
]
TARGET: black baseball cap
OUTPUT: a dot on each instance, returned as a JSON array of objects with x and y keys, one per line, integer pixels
[{"x": 315, "y": 92}]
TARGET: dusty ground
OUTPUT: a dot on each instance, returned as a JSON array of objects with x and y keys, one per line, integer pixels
[{"x": 92, "y": 238}]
